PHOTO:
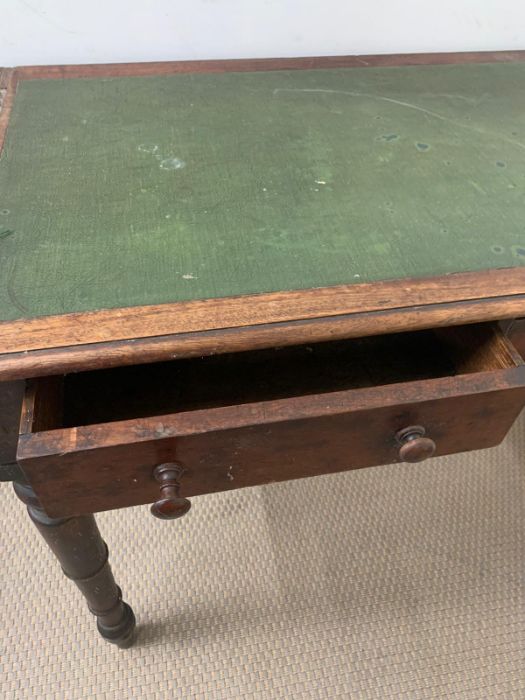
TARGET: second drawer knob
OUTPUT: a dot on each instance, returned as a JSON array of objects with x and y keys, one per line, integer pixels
[
  {"x": 414, "y": 446},
  {"x": 171, "y": 504}
]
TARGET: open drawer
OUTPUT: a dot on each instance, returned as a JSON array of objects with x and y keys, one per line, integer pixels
[{"x": 90, "y": 441}]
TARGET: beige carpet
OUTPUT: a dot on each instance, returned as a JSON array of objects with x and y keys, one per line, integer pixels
[{"x": 393, "y": 582}]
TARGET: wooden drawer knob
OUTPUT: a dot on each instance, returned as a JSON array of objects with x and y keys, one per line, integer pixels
[
  {"x": 170, "y": 505},
  {"x": 415, "y": 447}
]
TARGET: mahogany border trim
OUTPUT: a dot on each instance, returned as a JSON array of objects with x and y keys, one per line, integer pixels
[
  {"x": 154, "y": 349},
  {"x": 264, "y": 64},
  {"x": 251, "y": 310}
]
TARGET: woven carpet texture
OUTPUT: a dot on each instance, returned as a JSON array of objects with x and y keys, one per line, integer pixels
[{"x": 400, "y": 581}]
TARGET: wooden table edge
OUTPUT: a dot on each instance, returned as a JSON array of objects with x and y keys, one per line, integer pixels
[
  {"x": 359, "y": 308},
  {"x": 126, "y": 323},
  {"x": 264, "y": 64},
  {"x": 139, "y": 347}
]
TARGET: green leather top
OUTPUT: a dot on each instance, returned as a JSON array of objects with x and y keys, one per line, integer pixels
[{"x": 130, "y": 191}]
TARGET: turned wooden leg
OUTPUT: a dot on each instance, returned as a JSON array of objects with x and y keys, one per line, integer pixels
[{"x": 77, "y": 544}]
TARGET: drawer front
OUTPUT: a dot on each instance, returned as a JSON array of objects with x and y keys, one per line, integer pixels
[{"x": 99, "y": 467}]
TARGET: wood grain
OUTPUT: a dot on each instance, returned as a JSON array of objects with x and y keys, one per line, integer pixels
[
  {"x": 41, "y": 407},
  {"x": 154, "y": 349},
  {"x": 108, "y": 465},
  {"x": 516, "y": 333},
  {"x": 102, "y": 467},
  {"x": 264, "y": 64},
  {"x": 251, "y": 310}
]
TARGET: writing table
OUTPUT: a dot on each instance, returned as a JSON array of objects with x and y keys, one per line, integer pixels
[{"x": 222, "y": 274}]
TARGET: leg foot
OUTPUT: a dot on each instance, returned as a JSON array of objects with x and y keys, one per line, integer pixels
[
  {"x": 122, "y": 634},
  {"x": 77, "y": 544}
]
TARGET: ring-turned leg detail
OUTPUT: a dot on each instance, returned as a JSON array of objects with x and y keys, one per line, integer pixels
[{"x": 77, "y": 544}]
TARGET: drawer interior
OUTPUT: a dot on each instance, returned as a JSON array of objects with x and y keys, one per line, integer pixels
[{"x": 189, "y": 384}]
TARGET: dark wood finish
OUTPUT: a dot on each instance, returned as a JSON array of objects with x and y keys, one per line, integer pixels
[
  {"x": 170, "y": 505},
  {"x": 256, "y": 376},
  {"x": 83, "y": 555},
  {"x": 415, "y": 447},
  {"x": 105, "y": 338},
  {"x": 11, "y": 394},
  {"x": 46, "y": 405},
  {"x": 77, "y": 544},
  {"x": 304, "y": 427}
]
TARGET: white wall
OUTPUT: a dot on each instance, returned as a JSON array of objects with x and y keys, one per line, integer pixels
[{"x": 84, "y": 31}]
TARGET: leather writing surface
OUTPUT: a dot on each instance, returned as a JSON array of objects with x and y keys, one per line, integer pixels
[{"x": 130, "y": 191}]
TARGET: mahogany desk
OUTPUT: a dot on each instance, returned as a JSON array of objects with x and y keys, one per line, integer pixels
[{"x": 221, "y": 274}]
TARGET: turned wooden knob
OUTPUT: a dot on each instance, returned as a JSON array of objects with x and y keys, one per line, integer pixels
[
  {"x": 170, "y": 505},
  {"x": 415, "y": 447}
]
